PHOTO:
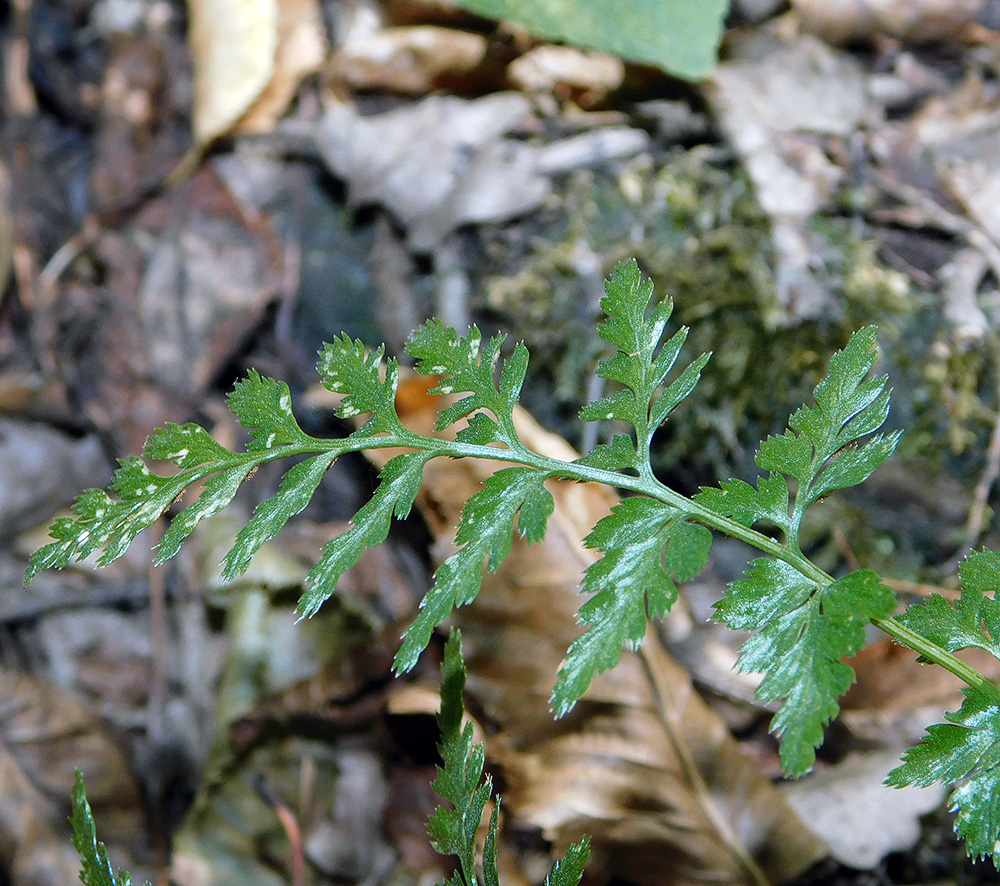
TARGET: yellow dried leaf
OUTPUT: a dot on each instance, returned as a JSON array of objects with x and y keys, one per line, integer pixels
[
  {"x": 249, "y": 57},
  {"x": 300, "y": 52}
]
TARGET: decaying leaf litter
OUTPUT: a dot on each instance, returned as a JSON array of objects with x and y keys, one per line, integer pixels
[{"x": 381, "y": 163}]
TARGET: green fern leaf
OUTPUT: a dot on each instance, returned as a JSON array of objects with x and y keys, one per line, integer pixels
[
  {"x": 820, "y": 450},
  {"x": 646, "y": 546},
  {"x": 100, "y": 523},
  {"x": 788, "y": 453},
  {"x": 803, "y": 633},
  {"x": 485, "y": 533},
  {"x": 460, "y": 781},
  {"x": 677, "y": 391},
  {"x": 966, "y": 749},
  {"x": 849, "y": 405},
  {"x": 217, "y": 494},
  {"x": 460, "y": 778},
  {"x": 491, "y": 861},
  {"x": 400, "y": 483},
  {"x": 264, "y": 407},
  {"x": 853, "y": 465},
  {"x": 974, "y": 620},
  {"x": 740, "y": 501},
  {"x": 620, "y": 406},
  {"x": 347, "y": 368},
  {"x": 617, "y": 455},
  {"x": 96, "y": 870},
  {"x": 295, "y": 492},
  {"x": 439, "y": 350},
  {"x": 637, "y": 365},
  {"x": 626, "y": 300},
  {"x": 568, "y": 871},
  {"x": 480, "y": 431},
  {"x": 187, "y": 446}
]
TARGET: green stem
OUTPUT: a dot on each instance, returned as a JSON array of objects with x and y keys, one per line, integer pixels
[
  {"x": 649, "y": 486},
  {"x": 924, "y": 647},
  {"x": 932, "y": 652}
]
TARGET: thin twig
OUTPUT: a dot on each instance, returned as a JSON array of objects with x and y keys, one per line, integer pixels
[
  {"x": 974, "y": 525},
  {"x": 668, "y": 708},
  {"x": 290, "y": 825}
]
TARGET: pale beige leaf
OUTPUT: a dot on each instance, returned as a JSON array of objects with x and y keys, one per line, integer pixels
[
  {"x": 300, "y": 51},
  {"x": 566, "y": 70},
  {"x": 249, "y": 58},
  {"x": 233, "y": 47}
]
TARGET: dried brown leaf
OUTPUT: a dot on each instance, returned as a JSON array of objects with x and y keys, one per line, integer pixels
[
  {"x": 182, "y": 288},
  {"x": 409, "y": 59},
  {"x": 840, "y": 21},
  {"x": 437, "y": 163}
]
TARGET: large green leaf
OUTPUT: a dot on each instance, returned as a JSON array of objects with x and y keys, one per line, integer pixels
[{"x": 679, "y": 36}]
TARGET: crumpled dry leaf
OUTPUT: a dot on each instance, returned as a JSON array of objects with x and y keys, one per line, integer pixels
[
  {"x": 918, "y": 21},
  {"x": 408, "y": 60},
  {"x": 415, "y": 159},
  {"x": 773, "y": 101},
  {"x": 45, "y": 735},
  {"x": 182, "y": 288},
  {"x": 249, "y": 58},
  {"x": 642, "y": 764},
  {"x": 442, "y": 162}
]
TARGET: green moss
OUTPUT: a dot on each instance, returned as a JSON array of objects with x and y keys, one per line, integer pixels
[{"x": 696, "y": 228}]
